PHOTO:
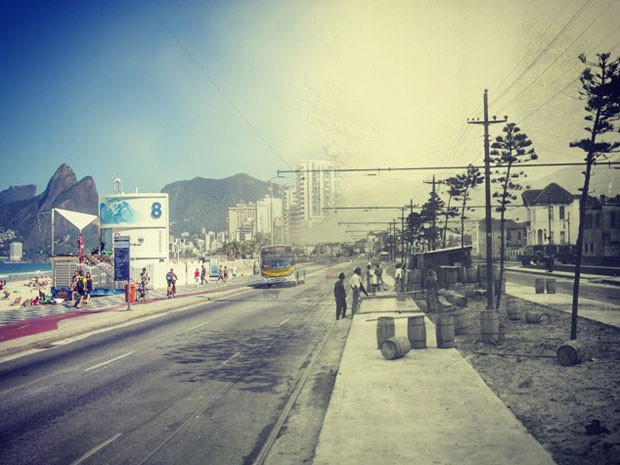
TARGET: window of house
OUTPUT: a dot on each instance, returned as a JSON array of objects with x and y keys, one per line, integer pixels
[
  {"x": 519, "y": 236},
  {"x": 562, "y": 237},
  {"x": 562, "y": 212},
  {"x": 551, "y": 212}
]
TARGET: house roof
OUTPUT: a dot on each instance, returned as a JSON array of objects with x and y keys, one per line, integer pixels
[{"x": 552, "y": 194}]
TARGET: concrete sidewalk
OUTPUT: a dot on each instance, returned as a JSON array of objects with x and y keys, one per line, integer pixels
[
  {"x": 607, "y": 313},
  {"x": 427, "y": 408}
]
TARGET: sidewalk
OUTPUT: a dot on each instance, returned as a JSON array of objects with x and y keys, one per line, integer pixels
[
  {"x": 596, "y": 278},
  {"x": 427, "y": 408}
]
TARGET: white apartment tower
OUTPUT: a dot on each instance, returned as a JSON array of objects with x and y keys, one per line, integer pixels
[{"x": 316, "y": 188}]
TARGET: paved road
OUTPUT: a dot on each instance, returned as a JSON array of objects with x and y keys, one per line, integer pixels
[
  {"x": 198, "y": 386},
  {"x": 599, "y": 292}
]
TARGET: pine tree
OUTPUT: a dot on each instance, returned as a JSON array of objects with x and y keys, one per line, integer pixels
[
  {"x": 601, "y": 91},
  {"x": 450, "y": 211},
  {"x": 508, "y": 150},
  {"x": 465, "y": 183}
]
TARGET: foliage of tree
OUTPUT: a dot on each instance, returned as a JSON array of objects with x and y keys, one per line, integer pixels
[
  {"x": 431, "y": 209},
  {"x": 600, "y": 88},
  {"x": 465, "y": 182},
  {"x": 508, "y": 150},
  {"x": 413, "y": 229},
  {"x": 450, "y": 212}
]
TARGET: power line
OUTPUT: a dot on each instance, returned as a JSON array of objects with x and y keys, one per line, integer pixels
[
  {"x": 543, "y": 52},
  {"x": 216, "y": 86},
  {"x": 528, "y": 87}
]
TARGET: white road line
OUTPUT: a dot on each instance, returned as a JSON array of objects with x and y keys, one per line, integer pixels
[
  {"x": 94, "y": 450},
  {"x": 282, "y": 322},
  {"x": 198, "y": 326},
  {"x": 245, "y": 308},
  {"x": 25, "y": 326},
  {"x": 230, "y": 358},
  {"x": 109, "y": 361}
]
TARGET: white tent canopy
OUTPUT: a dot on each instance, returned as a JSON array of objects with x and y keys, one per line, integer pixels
[{"x": 77, "y": 219}]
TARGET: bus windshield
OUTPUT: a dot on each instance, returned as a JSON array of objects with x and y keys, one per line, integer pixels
[{"x": 281, "y": 257}]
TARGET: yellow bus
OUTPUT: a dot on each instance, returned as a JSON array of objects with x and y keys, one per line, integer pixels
[{"x": 278, "y": 265}]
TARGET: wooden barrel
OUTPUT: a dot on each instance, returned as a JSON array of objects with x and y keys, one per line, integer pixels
[
  {"x": 571, "y": 353},
  {"x": 416, "y": 332},
  {"x": 395, "y": 347},
  {"x": 539, "y": 285},
  {"x": 513, "y": 311},
  {"x": 460, "y": 322},
  {"x": 489, "y": 326},
  {"x": 385, "y": 329},
  {"x": 550, "y": 284},
  {"x": 535, "y": 317},
  {"x": 444, "y": 331}
]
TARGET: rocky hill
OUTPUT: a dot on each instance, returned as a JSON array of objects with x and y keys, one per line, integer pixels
[
  {"x": 16, "y": 193},
  {"x": 203, "y": 202},
  {"x": 30, "y": 217}
]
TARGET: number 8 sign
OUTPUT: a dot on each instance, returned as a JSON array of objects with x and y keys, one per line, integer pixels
[{"x": 156, "y": 210}]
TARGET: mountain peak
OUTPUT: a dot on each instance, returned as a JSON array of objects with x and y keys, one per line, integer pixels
[{"x": 62, "y": 179}]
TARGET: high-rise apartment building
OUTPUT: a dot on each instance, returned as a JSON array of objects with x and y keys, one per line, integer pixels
[
  {"x": 242, "y": 215},
  {"x": 316, "y": 188}
]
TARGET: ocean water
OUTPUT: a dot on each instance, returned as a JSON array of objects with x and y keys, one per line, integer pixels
[{"x": 16, "y": 271}]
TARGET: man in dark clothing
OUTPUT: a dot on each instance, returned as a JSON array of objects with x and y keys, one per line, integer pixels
[{"x": 340, "y": 294}]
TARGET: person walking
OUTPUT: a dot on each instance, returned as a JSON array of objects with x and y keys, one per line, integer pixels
[
  {"x": 398, "y": 277},
  {"x": 371, "y": 279},
  {"x": 171, "y": 280},
  {"x": 379, "y": 276},
  {"x": 197, "y": 277},
  {"x": 144, "y": 282},
  {"x": 80, "y": 288},
  {"x": 340, "y": 294},
  {"x": 355, "y": 282},
  {"x": 89, "y": 288},
  {"x": 203, "y": 274}
]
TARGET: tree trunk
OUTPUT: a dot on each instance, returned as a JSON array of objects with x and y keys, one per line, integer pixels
[{"x": 582, "y": 215}]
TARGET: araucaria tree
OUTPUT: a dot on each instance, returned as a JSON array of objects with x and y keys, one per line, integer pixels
[
  {"x": 464, "y": 184},
  {"x": 450, "y": 211},
  {"x": 600, "y": 88},
  {"x": 509, "y": 149},
  {"x": 430, "y": 211}
]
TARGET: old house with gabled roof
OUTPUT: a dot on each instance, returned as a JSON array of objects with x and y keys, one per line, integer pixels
[
  {"x": 601, "y": 241},
  {"x": 552, "y": 215}
]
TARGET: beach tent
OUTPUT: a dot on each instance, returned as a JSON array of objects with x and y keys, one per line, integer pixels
[{"x": 80, "y": 221}]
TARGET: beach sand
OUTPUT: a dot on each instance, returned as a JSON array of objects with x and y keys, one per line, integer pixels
[{"x": 26, "y": 289}]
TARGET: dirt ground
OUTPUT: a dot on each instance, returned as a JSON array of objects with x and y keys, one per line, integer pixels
[{"x": 554, "y": 402}]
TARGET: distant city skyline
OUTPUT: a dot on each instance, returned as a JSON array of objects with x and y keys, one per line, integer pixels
[{"x": 157, "y": 92}]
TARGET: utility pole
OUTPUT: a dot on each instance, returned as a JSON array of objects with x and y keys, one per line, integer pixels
[
  {"x": 487, "y": 195},
  {"x": 402, "y": 236}
]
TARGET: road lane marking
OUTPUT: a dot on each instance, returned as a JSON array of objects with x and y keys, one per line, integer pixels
[
  {"x": 96, "y": 449},
  {"x": 99, "y": 365},
  {"x": 282, "y": 322},
  {"x": 230, "y": 358},
  {"x": 22, "y": 327},
  {"x": 198, "y": 326}
]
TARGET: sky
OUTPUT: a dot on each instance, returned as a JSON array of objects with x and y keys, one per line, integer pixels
[{"x": 160, "y": 91}]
